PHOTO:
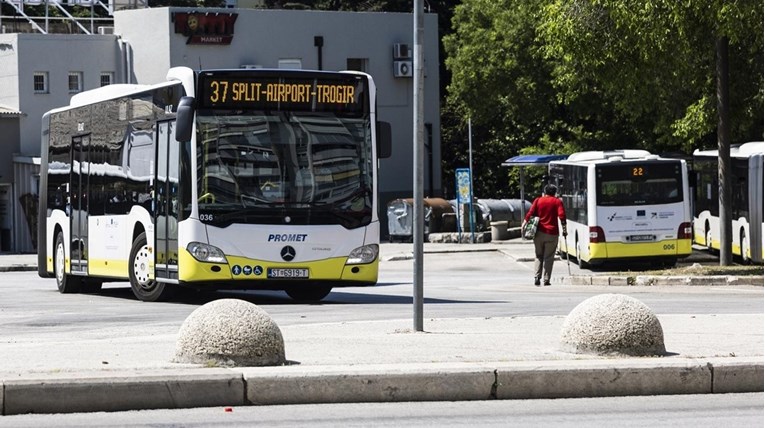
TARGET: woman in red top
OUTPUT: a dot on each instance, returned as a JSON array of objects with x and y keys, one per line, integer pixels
[{"x": 549, "y": 209}]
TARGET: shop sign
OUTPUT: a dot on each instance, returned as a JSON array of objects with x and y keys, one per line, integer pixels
[{"x": 205, "y": 28}]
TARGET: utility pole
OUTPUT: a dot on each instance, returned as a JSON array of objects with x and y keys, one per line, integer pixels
[
  {"x": 418, "y": 226},
  {"x": 723, "y": 147}
]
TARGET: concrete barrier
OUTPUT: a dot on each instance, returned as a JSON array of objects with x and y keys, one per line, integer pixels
[
  {"x": 554, "y": 381},
  {"x": 193, "y": 388},
  {"x": 418, "y": 383},
  {"x": 379, "y": 383}
]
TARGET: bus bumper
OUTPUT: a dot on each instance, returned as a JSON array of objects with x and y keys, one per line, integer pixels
[
  {"x": 244, "y": 271},
  {"x": 604, "y": 251}
]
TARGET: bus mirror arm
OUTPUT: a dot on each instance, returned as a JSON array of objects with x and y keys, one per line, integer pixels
[{"x": 184, "y": 119}]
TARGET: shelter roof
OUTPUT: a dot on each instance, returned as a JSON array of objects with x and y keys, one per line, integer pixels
[{"x": 532, "y": 160}]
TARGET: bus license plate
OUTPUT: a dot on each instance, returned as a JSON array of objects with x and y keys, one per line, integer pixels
[
  {"x": 287, "y": 273},
  {"x": 641, "y": 238}
]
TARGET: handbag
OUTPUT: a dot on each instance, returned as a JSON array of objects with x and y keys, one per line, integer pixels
[{"x": 531, "y": 227}]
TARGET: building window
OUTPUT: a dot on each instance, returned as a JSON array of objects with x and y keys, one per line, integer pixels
[
  {"x": 41, "y": 82},
  {"x": 291, "y": 63},
  {"x": 357, "y": 64},
  {"x": 75, "y": 82},
  {"x": 107, "y": 78}
]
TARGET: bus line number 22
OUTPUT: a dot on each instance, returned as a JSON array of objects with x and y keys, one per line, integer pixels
[{"x": 637, "y": 171}]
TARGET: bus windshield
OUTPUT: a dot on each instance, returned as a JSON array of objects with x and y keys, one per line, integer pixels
[
  {"x": 313, "y": 166},
  {"x": 643, "y": 183}
]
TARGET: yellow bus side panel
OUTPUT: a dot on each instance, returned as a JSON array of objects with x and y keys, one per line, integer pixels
[
  {"x": 109, "y": 268},
  {"x": 619, "y": 250},
  {"x": 735, "y": 246},
  {"x": 191, "y": 270}
]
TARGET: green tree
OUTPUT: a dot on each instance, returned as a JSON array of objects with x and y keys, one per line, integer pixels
[{"x": 655, "y": 61}]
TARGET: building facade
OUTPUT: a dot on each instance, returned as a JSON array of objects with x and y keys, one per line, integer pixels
[{"x": 39, "y": 72}]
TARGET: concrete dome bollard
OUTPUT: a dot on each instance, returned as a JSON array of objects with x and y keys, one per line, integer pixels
[
  {"x": 612, "y": 324},
  {"x": 230, "y": 332}
]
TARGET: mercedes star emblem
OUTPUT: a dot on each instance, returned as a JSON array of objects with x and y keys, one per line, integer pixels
[{"x": 288, "y": 253}]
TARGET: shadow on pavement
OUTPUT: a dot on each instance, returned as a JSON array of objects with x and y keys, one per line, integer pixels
[{"x": 338, "y": 296}]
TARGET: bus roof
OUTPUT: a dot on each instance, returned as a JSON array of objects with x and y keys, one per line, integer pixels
[
  {"x": 737, "y": 150},
  {"x": 112, "y": 91}
]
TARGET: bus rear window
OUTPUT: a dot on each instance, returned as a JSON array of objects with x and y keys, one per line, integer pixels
[{"x": 639, "y": 183}]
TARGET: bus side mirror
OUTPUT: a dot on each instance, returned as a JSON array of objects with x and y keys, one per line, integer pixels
[
  {"x": 184, "y": 119},
  {"x": 383, "y": 140}
]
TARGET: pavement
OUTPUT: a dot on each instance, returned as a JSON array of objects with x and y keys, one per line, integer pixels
[{"x": 375, "y": 361}]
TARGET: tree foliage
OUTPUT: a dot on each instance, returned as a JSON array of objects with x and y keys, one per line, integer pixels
[
  {"x": 656, "y": 60},
  {"x": 557, "y": 76}
]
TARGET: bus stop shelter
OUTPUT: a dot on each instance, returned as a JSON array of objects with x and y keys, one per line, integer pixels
[{"x": 522, "y": 161}]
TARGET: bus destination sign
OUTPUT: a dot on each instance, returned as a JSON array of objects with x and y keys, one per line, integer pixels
[{"x": 303, "y": 94}]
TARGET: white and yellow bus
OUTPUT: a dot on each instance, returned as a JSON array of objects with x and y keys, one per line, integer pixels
[
  {"x": 243, "y": 179},
  {"x": 746, "y": 171},
  {"x": 624, "y": 205}
]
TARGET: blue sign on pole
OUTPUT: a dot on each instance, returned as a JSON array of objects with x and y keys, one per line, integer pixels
[
  {"x": 463, "y": 186},
  {"x": 464, "y": 196}
]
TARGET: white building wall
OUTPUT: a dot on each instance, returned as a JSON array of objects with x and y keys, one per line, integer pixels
[{"x": 9, "y": 70}]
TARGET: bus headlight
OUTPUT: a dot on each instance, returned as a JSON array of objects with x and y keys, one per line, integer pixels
[
  {"x": 206, "y": 253},
  {"x": 365, "y": 254}
]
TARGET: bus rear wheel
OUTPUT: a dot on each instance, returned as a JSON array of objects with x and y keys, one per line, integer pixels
[
  {"x": 582, "y": 264},
  {"x": 308, "y": 294},
  {"x": 144, "y": 288},
  {"x": 66, "y": 283}
]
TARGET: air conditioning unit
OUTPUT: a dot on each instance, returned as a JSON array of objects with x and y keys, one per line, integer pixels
[
  {"x": 105, "y": 30},
  {"x": 401, "y": 51},
  {"x": 403, "y": 69}
]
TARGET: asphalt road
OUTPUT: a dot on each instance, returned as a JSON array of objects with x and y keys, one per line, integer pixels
[
  {"x": 678, "y": 411},
  {"x": 460, "y": 285}
]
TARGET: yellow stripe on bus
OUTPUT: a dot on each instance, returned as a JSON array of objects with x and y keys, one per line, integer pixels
[
  {"x": 617, "y": 250},
  {"x": 110, "y": 268}
]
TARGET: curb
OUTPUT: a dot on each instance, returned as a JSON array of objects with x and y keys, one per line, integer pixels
[
  {"x": 380, "y": 383},
  {"x": 658, "y": 280}
]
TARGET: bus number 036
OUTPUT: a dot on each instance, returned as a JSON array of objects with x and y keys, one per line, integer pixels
[{"x": 206, "y": 217}]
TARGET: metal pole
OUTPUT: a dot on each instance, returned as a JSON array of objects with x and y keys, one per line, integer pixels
[
  {"x": 470, "y": 169},
  {"x": 723, "y": 147},
  {"x": 418, "y": 229},
  {"x": 523, "y": 200}
]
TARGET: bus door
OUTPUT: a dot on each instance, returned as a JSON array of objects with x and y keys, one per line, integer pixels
[
  {"x": 78, "y": 204},
  {"x": 166, "y": 194}
]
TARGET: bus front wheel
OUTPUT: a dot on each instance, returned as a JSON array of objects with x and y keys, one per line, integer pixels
[
  {"x": 708, "y": 239},
  {"x": 66, "y": 283},
  {"x": 144, "y": 288},
  {"x": 308, "y": 294}
]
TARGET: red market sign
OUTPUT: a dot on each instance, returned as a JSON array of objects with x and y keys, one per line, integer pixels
[{"x": 205, "y": 28}]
